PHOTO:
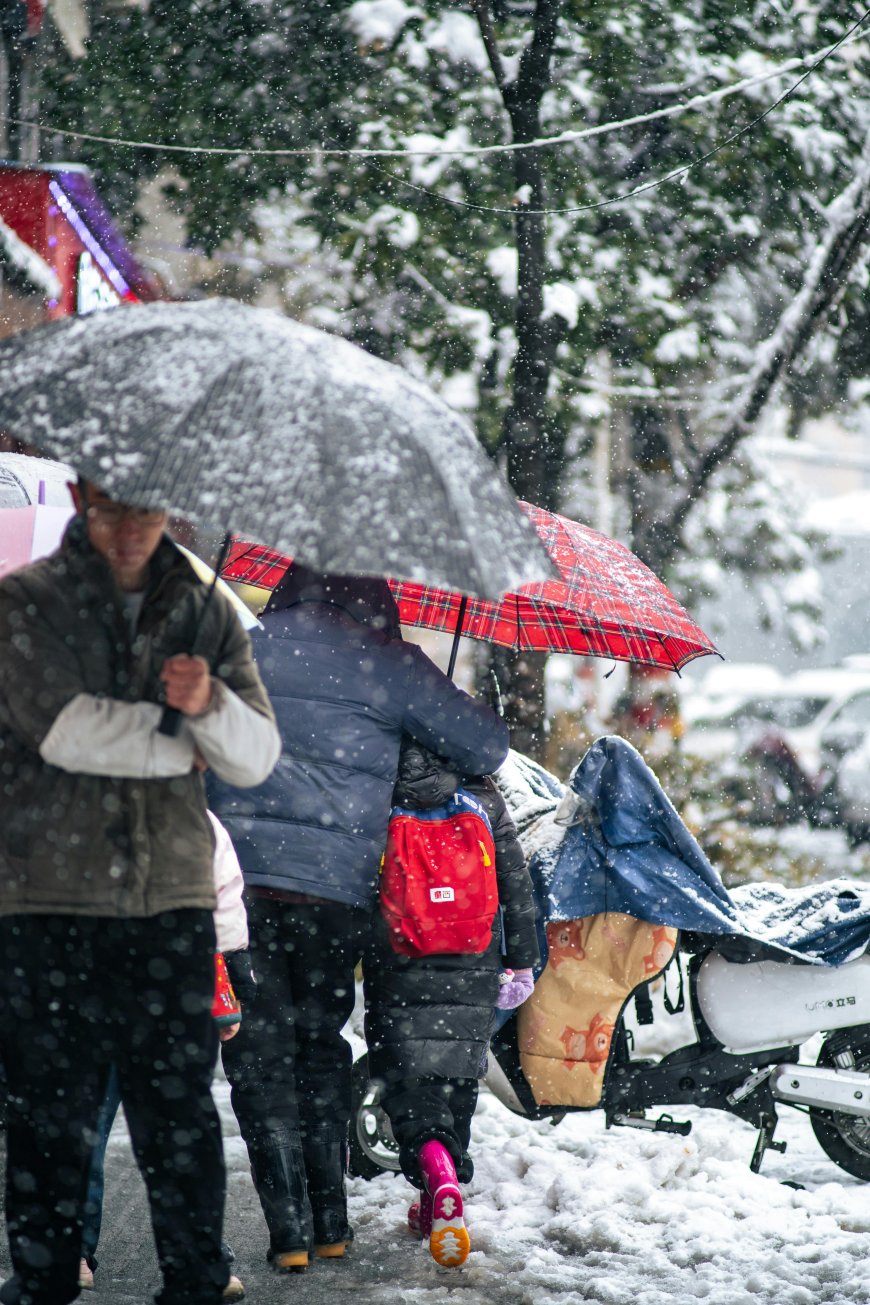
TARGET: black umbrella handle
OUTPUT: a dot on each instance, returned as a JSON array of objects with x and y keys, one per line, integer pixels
[
  {"x": 463, "y": 603},
  {"x": 170, "y": 721}
]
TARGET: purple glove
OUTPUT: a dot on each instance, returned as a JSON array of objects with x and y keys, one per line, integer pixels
[{"x": 516, "y": 986}]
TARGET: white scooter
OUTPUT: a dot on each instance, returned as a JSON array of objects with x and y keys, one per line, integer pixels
[
  {"x": 749, "y": 1017},
  {"x": 749, "y": 1067}
]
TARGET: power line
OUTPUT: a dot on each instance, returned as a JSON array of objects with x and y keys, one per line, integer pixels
[
  {"x": 439, "y": 150},
  {"x": 663, "y": 395},
  {"x": 648, "y": 185}
]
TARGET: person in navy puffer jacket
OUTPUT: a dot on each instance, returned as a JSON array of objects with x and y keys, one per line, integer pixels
[{"x": 345, "y": 688}]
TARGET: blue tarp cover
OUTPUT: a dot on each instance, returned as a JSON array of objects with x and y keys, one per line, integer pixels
[{"x": 626, "y": 849}]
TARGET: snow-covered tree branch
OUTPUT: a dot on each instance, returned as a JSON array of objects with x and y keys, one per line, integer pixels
[{"x": 839, "y": 248}]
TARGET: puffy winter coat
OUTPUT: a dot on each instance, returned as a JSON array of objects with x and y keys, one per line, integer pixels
[
  {"x": 99, "y": 814},
  {"x": 344, "y": 690},
  {"x": 434, "y": 1015},
  {"x": 230, "y": 916}
]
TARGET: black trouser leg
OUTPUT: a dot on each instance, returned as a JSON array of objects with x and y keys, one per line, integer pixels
[
  {"x": 260, "y": 1063},
  {"x": 166, "y": 1056},
  {"x": 324, "y": 1147},
  {"x": 77, "y": 994},
  {"x": 54, "y": 1090},
  {"x": 278, "y": 1171},
  {"x": 289, "y": 1066},
  {"x": 323, "y": 945},
  {"x": 425, "y": 1109}
]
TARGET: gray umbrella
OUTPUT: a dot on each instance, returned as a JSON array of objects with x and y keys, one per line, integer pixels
[{"x": 243, "y": 420}]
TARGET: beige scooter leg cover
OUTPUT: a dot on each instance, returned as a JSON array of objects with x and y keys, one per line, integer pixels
[{"x": 565, "y": 1027}]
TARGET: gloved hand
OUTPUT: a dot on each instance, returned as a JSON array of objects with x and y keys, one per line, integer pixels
[
  {"x": 225, "y": 1006},
  {"x": 242, "y": 975},
  {"x": 516, "y": 987}
]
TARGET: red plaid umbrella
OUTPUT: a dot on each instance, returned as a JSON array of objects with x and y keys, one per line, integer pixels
[{"x": 608, "y": 603}]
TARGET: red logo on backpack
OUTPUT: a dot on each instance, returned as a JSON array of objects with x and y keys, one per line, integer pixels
[{"x": 438, "y": 887}]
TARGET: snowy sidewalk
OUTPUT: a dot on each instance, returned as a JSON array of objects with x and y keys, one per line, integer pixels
[
  {"x": 560, "y": 1214},
  {"x": 565, "y": 1214}
]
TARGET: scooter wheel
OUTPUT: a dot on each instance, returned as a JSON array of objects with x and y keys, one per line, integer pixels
[
  {"x": 845, "y": 1138},
  {"x": 373, "y": 1149}
]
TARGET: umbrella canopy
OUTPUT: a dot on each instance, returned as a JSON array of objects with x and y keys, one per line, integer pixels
[
  {"x": 606, "y": 603},
  {"x": 237, "y": 417}
]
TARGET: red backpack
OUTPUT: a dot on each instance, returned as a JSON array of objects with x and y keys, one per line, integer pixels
[{"x": 439, "y": 893}]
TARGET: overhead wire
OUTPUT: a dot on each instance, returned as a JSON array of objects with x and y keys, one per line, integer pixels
[
  {"x": 520, "y": 207},
  {"x": 457, "y": 151}
]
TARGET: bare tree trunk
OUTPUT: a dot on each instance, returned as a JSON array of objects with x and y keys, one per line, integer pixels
[
  {"x": 18, "y": 86},
  {"x": 532, "y": 446},
  {"x": 12, "y": 28}
]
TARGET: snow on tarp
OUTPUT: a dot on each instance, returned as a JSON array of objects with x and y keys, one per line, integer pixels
[
  {"x": 533, "y": 796},
  {"x": 616, "y": 843},
  {"x": 828, "y": 920},
  {"x": 239, "y": 418}
]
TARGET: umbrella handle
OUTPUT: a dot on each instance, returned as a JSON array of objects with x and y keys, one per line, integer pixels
[
  {"x": 463, "y": 603},
  {"x": 170, "y": 721}
]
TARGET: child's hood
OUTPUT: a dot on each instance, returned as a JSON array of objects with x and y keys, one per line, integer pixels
[{"x": 424, "y": 779}]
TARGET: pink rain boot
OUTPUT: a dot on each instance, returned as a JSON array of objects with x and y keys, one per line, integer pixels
[
  {"x": 449, "y": 1242},
  {"x": 420, "y": 1215}
]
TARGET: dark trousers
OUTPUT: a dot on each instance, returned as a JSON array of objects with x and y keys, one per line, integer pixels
[
  {"x": 93, "y": 1212},
  {"x": 76, "y": 995},
  {"x": 440, "y": 1109},
  {"x": 289, "y": 1066}
]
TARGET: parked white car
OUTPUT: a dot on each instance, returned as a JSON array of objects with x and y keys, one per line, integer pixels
[
  {"x": 780, "y": 751},
  {"x": 723, "y": 688},
  {"x": 25, "y": 480},
  {"x": 829, "y": 707},
  {"x": 853, "y": 792}
]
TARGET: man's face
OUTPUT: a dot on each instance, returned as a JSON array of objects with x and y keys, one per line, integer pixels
[{"x": 127, "y": 537}]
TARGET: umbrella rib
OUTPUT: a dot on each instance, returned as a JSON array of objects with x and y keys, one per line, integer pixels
[{"x": 674, "y": 665}]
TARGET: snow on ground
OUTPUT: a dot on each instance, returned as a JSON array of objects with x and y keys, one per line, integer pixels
[
  {"x": 623, "y": 1216},
  {"x": 579, "y": 1213}
]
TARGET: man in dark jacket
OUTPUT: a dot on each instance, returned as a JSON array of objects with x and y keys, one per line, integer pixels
[
  {"x": 107, "y": 887},
  {"x": 310, "y": 842}
]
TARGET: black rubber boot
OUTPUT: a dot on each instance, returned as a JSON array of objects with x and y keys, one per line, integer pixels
[
  {"x": 325, "y": 1151},
  {"x": 278, "y": 1171}
]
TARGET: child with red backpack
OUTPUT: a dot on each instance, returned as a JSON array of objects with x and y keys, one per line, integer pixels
[{"x": 455, "y": 940}]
